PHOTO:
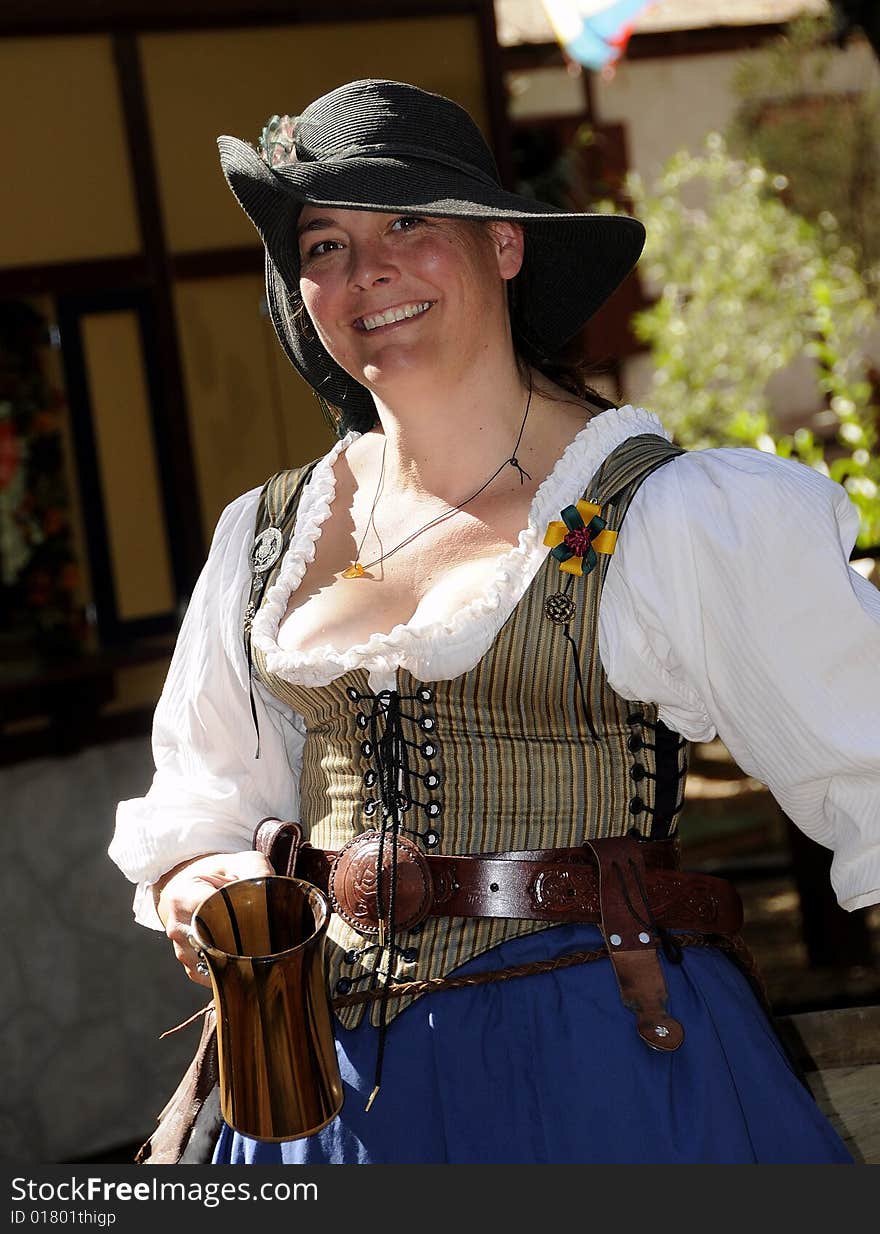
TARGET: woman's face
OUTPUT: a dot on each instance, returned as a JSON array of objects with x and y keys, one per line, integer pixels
[{"x": 396, "y": 296}]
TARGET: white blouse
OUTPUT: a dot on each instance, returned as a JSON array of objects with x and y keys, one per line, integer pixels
[{"x": 729, "y": 602}]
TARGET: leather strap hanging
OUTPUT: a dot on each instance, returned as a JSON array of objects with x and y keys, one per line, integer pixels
[{"x": 632, "y": 938}]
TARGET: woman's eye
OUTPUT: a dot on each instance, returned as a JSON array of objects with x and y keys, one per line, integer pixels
[
  {"x": 406, "y": 222},
  {"x": 322, "y": 247}
]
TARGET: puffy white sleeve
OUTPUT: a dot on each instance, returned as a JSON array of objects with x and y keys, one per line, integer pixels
[
  {"x": 210, "y": 791},
  {"x": 731, "y": 604}
]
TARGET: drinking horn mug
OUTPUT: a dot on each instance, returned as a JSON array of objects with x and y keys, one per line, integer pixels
[{"x": 262, "y": 941}]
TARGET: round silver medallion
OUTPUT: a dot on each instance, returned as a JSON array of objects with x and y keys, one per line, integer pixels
[{"x": 267, "y": 549}]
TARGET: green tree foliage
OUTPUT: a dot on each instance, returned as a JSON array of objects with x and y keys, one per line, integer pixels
[
  {"x": 746, "y": 286},
  {"x": 820, "y": 129}
]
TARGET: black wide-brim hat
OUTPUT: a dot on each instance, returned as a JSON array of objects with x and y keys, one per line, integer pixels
[{"x": 392, "y": 147}]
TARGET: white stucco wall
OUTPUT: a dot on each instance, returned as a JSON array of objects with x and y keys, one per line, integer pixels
[{"x": 671, "y": 104}]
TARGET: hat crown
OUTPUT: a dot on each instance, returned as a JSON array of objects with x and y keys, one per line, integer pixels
[{"x": 373, "y": 115}]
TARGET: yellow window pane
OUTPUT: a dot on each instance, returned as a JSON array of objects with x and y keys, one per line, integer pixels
[
  {"x": 127, "y": 464},
  {"x": 250, "y": 413},
  {"x": 66, "y": 190},
  {"x": 202, "y": 84}
]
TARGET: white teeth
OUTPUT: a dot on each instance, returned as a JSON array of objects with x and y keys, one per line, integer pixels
[{"x": 395, "y": 314}]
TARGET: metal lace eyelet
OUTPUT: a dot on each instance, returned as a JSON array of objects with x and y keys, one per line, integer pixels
[
  {"x": 428, "y": 749},
  {"x": 367, "y": 749},
  {"x": 362, "y": 721},
  {"x": 425, "y": 695},
  {"x": 431, "y": 780},
  {"x": 433, "y": 809},
  {"x": 370, "y": 807},
  {"x": 427, "y": 723},
  {"x": 431, "y": 839},
  {"x": 343, "y": 985},
  {"x": 353, "y": 694},
  {"x": 370, "y": 778}
]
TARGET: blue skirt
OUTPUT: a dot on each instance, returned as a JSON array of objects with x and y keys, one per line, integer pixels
[{"x": 549, "y": 1069}]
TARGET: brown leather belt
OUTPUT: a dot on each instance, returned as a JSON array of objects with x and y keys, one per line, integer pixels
[
  {"x": 631, "y": 888},
  {"x": 555, "y": 885}
]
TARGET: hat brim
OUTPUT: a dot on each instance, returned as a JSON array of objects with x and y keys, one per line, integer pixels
[{"x": 574, "y": 262}]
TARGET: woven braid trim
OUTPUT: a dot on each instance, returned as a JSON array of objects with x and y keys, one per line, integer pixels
[{"x": 735, "y": 946}]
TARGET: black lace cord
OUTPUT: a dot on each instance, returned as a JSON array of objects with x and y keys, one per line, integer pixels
[
  {"x": 394, "y": 777},
  {"x": 563, "y": 629},
  {"x": 669, "y": 774},
  {"x": 671, "y": 947},
  {"x": 644, "y": 774},
  {"x": 356, "y": 954},
  {"x": 250, "y": 671},
  {"x": 583, "y": 696},
  {"x": 253, "y": 604}
]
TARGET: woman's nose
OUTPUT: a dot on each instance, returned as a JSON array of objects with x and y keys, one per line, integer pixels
[{"x": 370, "y": 266}]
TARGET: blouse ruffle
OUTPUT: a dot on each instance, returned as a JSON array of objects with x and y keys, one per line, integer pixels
[{"x": 438, "y": 650}]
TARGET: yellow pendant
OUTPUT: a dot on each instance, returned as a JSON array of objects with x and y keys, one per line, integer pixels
[{"x": 355, "y": 570}]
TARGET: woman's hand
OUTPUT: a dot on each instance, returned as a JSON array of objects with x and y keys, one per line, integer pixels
[{"x": 179, "y": 892}]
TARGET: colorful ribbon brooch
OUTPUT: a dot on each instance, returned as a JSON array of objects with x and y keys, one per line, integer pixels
[
  {"x": 579, "y": 537},
  {"x": 575, "y": 542}
]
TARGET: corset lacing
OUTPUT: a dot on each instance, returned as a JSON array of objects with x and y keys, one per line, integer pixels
[
  {"x": 393, "y": 780},
  {"x": 669, "y": 778}
]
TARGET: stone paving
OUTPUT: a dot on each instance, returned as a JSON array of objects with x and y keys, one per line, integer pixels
[{"x": 84, "y": 992}]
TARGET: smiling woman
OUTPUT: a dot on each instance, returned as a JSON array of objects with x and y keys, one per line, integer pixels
[
  {"x": 481, "y": 729},
  {"x": 371, "y": 274}
]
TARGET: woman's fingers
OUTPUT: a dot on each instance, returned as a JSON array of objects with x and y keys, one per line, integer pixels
[
  {"x": 195, "y": 969},
  {"x": 184, "y": 888}
]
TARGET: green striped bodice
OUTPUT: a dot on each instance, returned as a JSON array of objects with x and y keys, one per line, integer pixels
[{"x": 503, "y": 757}]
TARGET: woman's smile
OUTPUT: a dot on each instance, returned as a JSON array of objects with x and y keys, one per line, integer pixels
[{"x": 393, "y": 316}]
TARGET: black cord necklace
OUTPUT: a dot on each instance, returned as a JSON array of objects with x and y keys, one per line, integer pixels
[{"x": 357, "y": 570}]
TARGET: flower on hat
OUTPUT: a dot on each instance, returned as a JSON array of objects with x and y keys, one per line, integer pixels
[
  {"x": 277, "y": 141},
  {"x": 577, "y": 539}
]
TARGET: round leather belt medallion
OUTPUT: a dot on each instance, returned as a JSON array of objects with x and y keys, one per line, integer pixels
[{"x": 353, "y": 883}]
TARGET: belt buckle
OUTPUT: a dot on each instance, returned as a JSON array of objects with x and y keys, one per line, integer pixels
[{"x": 353, "y": 884}]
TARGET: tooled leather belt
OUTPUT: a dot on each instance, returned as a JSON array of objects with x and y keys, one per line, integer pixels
[
  {"x": 630, "y": 887},
  {"x": 553, "y": 885}
]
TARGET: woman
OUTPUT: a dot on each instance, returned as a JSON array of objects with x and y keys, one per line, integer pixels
[{"x": 428, "y": 676}]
